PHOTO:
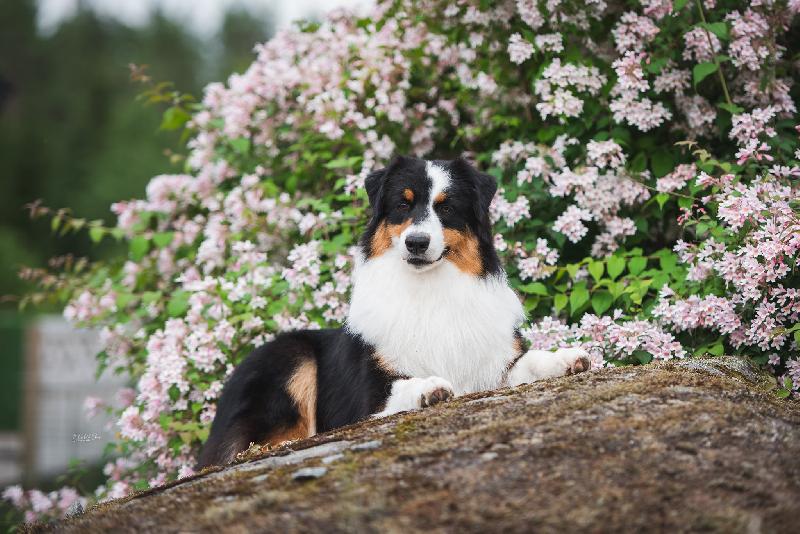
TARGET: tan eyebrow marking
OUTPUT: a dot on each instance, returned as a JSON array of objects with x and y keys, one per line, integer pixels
[
  {"x": 440, "y": 197},
  {"x": 408, "y": 194}
]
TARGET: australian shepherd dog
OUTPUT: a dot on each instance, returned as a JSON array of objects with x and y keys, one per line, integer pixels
[{"x": 431, "y": 316}]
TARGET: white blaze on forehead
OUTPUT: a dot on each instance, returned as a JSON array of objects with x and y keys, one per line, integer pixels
[{"x": 440, "y": 179}]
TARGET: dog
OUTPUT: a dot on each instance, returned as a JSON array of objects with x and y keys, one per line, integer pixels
[{"x": 431, "y": 316}]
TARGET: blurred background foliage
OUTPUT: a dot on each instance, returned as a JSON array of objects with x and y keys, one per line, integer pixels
[{"x": 72, "y": 132}]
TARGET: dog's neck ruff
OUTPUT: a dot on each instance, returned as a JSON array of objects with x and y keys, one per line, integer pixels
[{"x": 442, "y": 322}]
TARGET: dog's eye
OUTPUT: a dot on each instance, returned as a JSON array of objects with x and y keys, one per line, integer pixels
[
  {"x": 445, "y": 209},
  {"x": 403, "y": 206}
]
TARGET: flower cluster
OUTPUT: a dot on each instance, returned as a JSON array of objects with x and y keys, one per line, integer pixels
[
  {"x": 38, "y": 505},
  {"x": 557, "y": 88},
  {"x": 605, "y": 339}
]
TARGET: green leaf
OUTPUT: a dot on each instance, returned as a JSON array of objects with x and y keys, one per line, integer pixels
[
  {"x": 535, "y": 288},
  {"x": 677, "y": 5},
  {"x": 639, "y": 162},
  {"x": 662, "y": 198},
  {"x": 96, "y": 233},
  {"x": 601, "y": 301},
  {"x": 637, "y": 265},
  {"x": 560, "y": 302},
  {"x": 530, "y": 304},
  {"x": 717, "y": 349},
  {"x": 164, "y": 420},
  {"x": 174, "y": 118},
  {"x": 578, "y": 297},
  {"x": 660, "y": 279},
  {"x": 241, "y": 145},
  {"x": 662, "y": 163},
  {"x": 178, "y": 304},
  {"x": 148, "y": 297},
  {"x": 733, "y": 109},
  {"x": 162, "y": 239},
  {"x": 138, "y": 247},
  {"x": 787, "y": 382},
  {"x": 643, "y": 356},
  {"x": 617, "y": 289},
  {"x": 720, "y": 29},
  {"x": 572, "y": 269},
  {"x": 615, "y": 266},
  {"x": 656, "y": 65},
  {"x": 342, "y": 163},
  {"x": 668, "y": 262},
  {"x": 123, "y": 299},
  {"x": 797, "y": 337},
  {"x": 782, "y": 393},
  {"x": 703, "y": 70},
  {"x": 596, "y": 269}
]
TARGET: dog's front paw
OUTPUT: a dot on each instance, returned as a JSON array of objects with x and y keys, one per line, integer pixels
[
  {"x": 440, "y": 394},
  {"x": 576, "y": 360},
  {"x": 415, "y": 393},
  {"x": 540, "y": 364}
]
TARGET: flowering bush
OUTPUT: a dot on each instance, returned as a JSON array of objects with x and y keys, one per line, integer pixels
[{"x": 647, "y": 158}]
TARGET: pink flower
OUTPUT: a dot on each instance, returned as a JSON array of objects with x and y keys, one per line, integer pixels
[
  {"x": 538, "y": 264},
  {"x": 15, "y": 495},
  {"x": 698, "y": 49},
  {"x": 633, "y": 32},
  {"x": 748, "y": 126},
  {"x": 605, "y": 154},
  {"x": 518, "y": 49},
  {"x": 92, "y": 406},
  {"x": 677, "y": 179},
  {"x": 570, "y": 223},
  {"x": 530, "y": 14},
  {"x": 555, "y": 88}
]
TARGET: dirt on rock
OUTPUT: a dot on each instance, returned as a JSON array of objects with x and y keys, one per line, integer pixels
[{"x": 701, "y": 445}]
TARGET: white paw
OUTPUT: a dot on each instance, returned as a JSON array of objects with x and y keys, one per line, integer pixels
[
  {"x": 541, "y": 364},
  {"x": 414, "y": 393},
  {"x": 575, "y": 360}
]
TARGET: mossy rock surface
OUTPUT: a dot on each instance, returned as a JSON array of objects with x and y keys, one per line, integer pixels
[{"x": 697, "y": 445}]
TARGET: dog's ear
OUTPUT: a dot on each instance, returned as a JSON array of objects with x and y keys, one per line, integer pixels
[
  {"x": 487, "y": 187},
  {"x": 374, "y": 184},
  {"x": 376, "y": 180},
  {"x": 485, "y": 184}
]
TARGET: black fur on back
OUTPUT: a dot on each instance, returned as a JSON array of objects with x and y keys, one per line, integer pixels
[{"x": 350, "y": 387}]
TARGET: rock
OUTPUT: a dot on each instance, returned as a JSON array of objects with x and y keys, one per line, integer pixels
[
  {"x": 332, "y": 458},
  {"x": 75, "y": 509},
  {"x": 695, "y": 445},
  {"x": 367, "y": 445}
]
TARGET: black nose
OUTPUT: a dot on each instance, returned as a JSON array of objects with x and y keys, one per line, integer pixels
[{"x": 417, "y": 243}]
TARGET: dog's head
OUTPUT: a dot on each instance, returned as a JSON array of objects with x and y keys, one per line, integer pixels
[{"x": 429, "y": 212}]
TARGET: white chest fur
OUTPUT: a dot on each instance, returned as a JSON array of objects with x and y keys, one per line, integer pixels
[{"x": 442, "y": 322}]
